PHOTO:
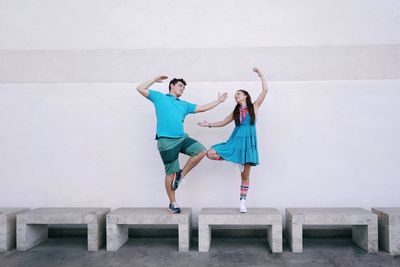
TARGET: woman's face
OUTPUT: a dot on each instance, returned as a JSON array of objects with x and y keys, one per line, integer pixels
[{"x": 240, "y": 96}]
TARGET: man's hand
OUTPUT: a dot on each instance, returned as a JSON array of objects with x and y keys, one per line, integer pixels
[
  {"x": 143, "y": 88},
  {"x": 223, "y": 97},
  {"x": 161, "y": 78}
]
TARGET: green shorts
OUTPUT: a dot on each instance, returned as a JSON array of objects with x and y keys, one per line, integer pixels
[{"x": 170, "y": 148}]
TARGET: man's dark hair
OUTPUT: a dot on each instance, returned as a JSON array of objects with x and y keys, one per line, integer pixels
[{"x": 175, "y": 81}]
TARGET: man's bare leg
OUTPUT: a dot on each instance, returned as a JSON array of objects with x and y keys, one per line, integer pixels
[
  {"x": 192, "y": 162},
  {"x": 170, "y": 192}
]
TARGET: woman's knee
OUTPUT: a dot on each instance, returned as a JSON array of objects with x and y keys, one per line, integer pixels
[{"x": 211, "y": 154}]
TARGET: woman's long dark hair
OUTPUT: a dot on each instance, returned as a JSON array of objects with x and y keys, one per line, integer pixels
[{"x": 250, "y": 109}]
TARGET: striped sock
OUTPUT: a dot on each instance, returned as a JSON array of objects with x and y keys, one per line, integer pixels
[{"x": 244, "y": 188}]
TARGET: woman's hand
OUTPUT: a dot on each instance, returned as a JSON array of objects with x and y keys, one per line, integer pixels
[
  {"x": 203, "y": 123},
  {"x": 261, "y": 97},
  {"x": 258, "y": 71}
]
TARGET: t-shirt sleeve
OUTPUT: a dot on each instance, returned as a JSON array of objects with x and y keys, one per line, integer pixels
[
  {"x": 153, "y": 96},
  {"x": 190, "y": 108}
]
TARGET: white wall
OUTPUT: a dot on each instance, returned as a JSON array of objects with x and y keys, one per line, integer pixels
[
  {"x": 76, "y": 133},
  {"x": 126, "y": 24}
]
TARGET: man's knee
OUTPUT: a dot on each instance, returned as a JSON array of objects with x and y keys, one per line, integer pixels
[{"x": 169, "y": 176}]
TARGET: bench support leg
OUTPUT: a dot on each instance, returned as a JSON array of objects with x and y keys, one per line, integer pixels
[
  {"x": 275, "y": 238},
  {"x": 184, "y": 237},
  {"x": 366, "y": 237},
  {"x": 30, "y": 235},
  {"x": 117, "y": 235},
  {"x": 204, "y": 237}
]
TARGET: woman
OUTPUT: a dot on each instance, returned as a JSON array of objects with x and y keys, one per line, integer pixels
[{"x": 241, "y": 147}]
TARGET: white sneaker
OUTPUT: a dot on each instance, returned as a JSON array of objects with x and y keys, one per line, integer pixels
[{"x": 243, "y": 208}]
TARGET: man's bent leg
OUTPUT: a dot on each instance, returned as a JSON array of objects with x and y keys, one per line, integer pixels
[
  {"x": 192, "y": 162},
  {"x": 195, "y": 150}
]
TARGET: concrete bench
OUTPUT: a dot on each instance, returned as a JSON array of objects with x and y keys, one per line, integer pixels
[
  {"x": 32, "y": 226},
  {"x": 119, "y": 220},
  {"x": 8, "y": 227},
  {"x": 269, "y": 217},
  {"x": 389, "y": 229},
  {"x": 364, "y": 225}
]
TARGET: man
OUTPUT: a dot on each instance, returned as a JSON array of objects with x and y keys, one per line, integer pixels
[{"x": 171, "y": 138}]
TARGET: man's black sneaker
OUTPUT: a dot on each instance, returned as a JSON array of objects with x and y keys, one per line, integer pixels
[
  {"x": 177, "y": 180},
  {"x": 174, "y": 208}
]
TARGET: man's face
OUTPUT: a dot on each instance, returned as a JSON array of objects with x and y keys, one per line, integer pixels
[{"x": 178, "y": 89}]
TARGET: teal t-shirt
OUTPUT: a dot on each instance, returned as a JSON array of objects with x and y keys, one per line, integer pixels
[{"x": 171, "y": 113}]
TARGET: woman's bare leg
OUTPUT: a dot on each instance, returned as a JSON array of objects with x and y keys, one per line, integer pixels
[{"x": 244, "y": 186}]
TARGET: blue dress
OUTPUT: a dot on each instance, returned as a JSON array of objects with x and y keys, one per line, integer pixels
[{"x": 241, "y": 147}]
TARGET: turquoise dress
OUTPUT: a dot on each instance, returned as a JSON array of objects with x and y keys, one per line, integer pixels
[{"x": 241, "y": 147}]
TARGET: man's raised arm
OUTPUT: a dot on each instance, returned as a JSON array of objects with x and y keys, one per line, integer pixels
[{"x": 143, "y": 89}]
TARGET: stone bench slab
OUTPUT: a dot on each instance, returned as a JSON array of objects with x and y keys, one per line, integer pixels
[
  {"x": 363, "y": 222},
  {"x": 389, "y": 229},
  {"x": 32, "y": 226},
  {"x": 8, "y": 227},
  {"x": 269, "y": 217},
  {"x": 119, "y": 220}
]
